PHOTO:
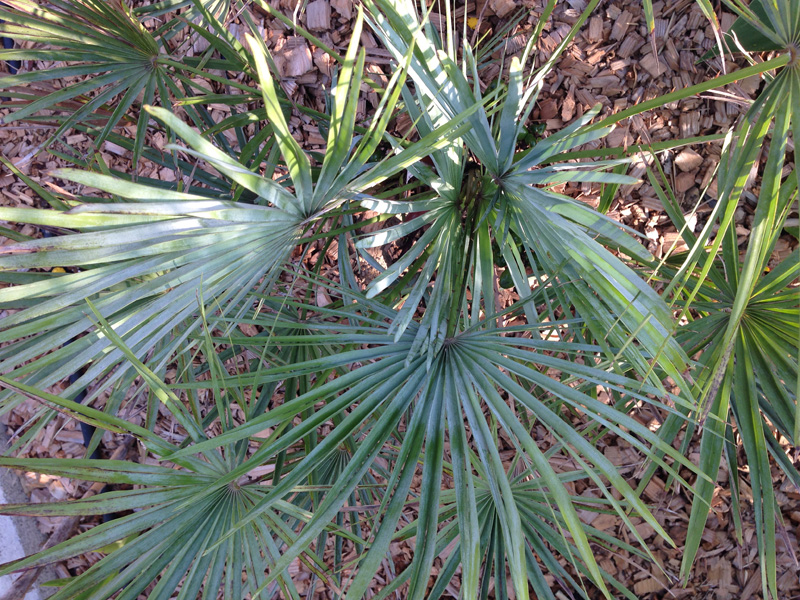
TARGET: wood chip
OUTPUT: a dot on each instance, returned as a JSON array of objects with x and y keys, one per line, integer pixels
[
  {"x": 323, "y": 61},
  {"x": 318, "y": 15},
  {"x": 647, "y": 586},
  {"x": 673, "y": 238},
  {"x": 660, "y": 30},
  {"x": 688, "y": 160},
  {"x": 595, "y": 33},
  {"x": 502, "y": 7},
  {"x": 689, "y": 123},
  {"x": 684, "y": 182},
  {"x": 753, "y": 584},
  {"x": 651, "y": 203},
  {"x": 343, "y": 7},
  {"x": 630, "y": 45},
  {"x": 297, "y": 60},
  {"x": 655, "y": 66},
  {"x": 568, "y": 108},
  {"x": 645, "y": 530},
  {"x": 671, "y": 56},
  {"x": 602, "y": 82},
  {"x": 604, "y": 522},
  {"x": 621, "y": 25},
  {"x": 548, "y": 109},
  {"x": 115, "y": 148}
]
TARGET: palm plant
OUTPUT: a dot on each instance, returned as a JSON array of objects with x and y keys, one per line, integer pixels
[
  {"x": 743, "y": 316},
  {"x": 179, "y": 512},
  {"x": 340, "y": 405},
  {"x": 746, "y": 328},
  {"x": 157, "y": 248},
  {"x": 104, "y": 38},
  {"x": 392, "y": 381},
  {"x": 130, "y": 67},
  {"x": 762, "y": 26}
]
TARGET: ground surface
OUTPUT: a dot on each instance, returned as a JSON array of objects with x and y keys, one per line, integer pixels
[{"x": 611, "y": 62}]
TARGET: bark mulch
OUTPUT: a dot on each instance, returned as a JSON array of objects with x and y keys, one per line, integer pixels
[{"x": 613, "y": 61}]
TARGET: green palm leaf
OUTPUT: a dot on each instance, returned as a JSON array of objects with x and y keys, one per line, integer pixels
[
  {"x": 748, "y": 326},
  {"x": 466, "y": 374}
]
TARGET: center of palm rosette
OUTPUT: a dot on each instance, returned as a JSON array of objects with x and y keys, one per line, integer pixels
[
  {"x": 471, "y": 192},
  {"x": 794, "y": 55}
]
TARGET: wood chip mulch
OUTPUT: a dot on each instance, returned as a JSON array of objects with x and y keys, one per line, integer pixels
[{"x": 612, "y": 61}]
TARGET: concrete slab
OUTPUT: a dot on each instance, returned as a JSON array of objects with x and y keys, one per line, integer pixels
[
  {"x": 11, "y": 547},
  {"x": 19, "y": 536}
]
